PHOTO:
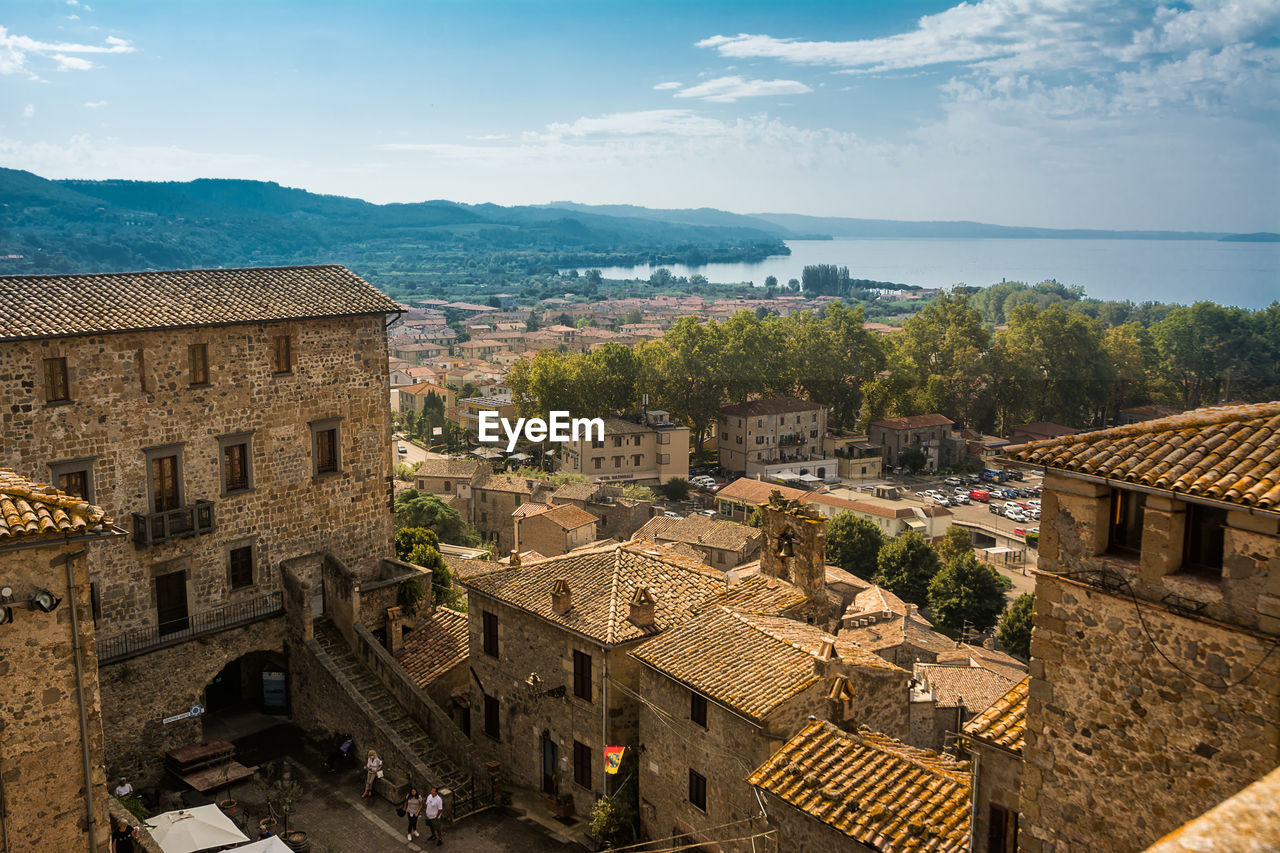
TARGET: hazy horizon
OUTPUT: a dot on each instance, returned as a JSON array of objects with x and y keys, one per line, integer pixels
[{"x": 1112, "y": 115}]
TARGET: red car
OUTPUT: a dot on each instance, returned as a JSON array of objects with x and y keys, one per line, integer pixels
[{"x": 979, "y": 496}]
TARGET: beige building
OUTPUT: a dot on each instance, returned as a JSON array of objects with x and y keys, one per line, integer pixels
[
  {"x": 931, "y": 434},
  {"x": 235, "y": 420},
  {"x": 884, "y": 508},
  {"x": 554, "y": 530},
  {"x": 413, "y": 398},
  {"x": 650, "y": 453},
  {"x": 723, "y": 544},
  {"x": 469, "y": 409},
  {"x": 1159, "y": 583},
  {"x": 53, "y": 791},
  {"x": 760, "y": 433}
]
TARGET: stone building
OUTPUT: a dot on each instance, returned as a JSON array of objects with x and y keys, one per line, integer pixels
[
  {"x": 933, "y": 434},
  {"x": 1154, "y": 673},
  {"x": 238, "y": 420},
  {"x": 53, "y": 791},
  {"x": 759, "y": 433},
  {"x": 828, "y": 790},
  {"x": 993, "y": 741},
  {"x": 719, "y": 693},
  {"x": 723, "y": 544},
  {"x": 945, "y": 696},
  {"x": 649, "y": 452},
  {"x": 553, "y": 683},
  {"x": 554, "y": 530},
  {"x": 891, "y": 513},
  {"x": 620, "y": 516}
]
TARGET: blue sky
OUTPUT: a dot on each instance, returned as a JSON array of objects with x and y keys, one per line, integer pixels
[{"x": 1108, "y": 114}]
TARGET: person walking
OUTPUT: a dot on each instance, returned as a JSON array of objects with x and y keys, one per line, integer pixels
[
  {"x": 413, "y": 804},
  {"x": 373, "y": 770},
  {"x": 434, "y": 807}
]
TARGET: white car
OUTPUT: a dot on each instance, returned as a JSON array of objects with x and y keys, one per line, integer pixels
[
  {"x": 941, "y": 501},
  {"x": 1015, "y": 515}
]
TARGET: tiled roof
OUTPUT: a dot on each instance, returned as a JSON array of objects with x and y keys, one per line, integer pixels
[
  {"x": 434, "y": 466},
  {"x": 913, "y": 422},
  {"x": 992, "y": 659},
  {"x": 700, "y": 530},
  {"x": 576, "y": 492},
  {"x": 529, "y": 508},
  {"x": 465, "y": 568},
  {"x": 752, "y": 491},
  {"x": 873, "y": 788},
  {"x": 1245, "y": 822},
  {"x": 42, "y": 306},
  {"x": 30, "y": 510},
  {"x": 876, "y": 600},
  {"x": 1004, "y": 723},
  {"x": 437, "y": 646},
  {"x": 771, "y": 406},
  {"x": 973, "y": 687},
  {"x": 568, "y": 516},
  {"x": 1226, "y": 453},
  {"x": 602, "y": 582}
]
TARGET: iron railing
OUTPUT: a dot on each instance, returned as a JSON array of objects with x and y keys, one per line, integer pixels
[
  {"x": 198, "y": 624},
  {"x": 157, "y": 527}
]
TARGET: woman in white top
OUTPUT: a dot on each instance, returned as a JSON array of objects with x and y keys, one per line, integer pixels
[{"x": 373, "y": 769}]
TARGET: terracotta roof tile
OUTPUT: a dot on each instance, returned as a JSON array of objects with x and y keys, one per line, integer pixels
[
  {"x": 603, "y": 581},
  {"x": 31, "y": 510},
  {"x": 913, "y": 422},
  {"x": 953, "y": 685},
  {"x": 1226, "y": 453},
  {"x": 464, "y": 568},
  {"x": 568, "y": 516},
  {"x": 576, "y": 491},
  {"x": 771, "y": 406},
  {"x": 434, "y": 466},
  {"x": 1004, "y": 723},
  {"x": 873, "y": 788},
  {"x": 42, "y": 306},
  {"x": 437, "y": 646},
  {"x": 700, "y": 530}
]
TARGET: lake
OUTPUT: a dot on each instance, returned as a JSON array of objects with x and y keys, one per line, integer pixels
[{"x": 1184, "y": 271}]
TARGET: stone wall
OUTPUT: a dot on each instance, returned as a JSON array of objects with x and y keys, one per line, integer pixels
[
  {"x": 139, "y": 692},
  {"x": 43, "y": 801},
  {"x": 538, "y": 533},
  {"x": 998, "y": 778},
  {"x": 1111, "y": 723},
  {"x": 799, "y": 833}
]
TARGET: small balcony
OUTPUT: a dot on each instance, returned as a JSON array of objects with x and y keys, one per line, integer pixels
[{"x": 159, "y": 527}]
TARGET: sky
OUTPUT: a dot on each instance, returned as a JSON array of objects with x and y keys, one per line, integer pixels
[{"x": 1052, "y": 113}]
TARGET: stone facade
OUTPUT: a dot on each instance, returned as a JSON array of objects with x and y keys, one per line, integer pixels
[
  {"x": 1134, "y": 701},
  {"x": 754, "y": 434},
  {"x": 805, "y": 834},
  {"x": 541, "y": 532},
  {"x": 45, "y": 803},
  {"x": 998, "y": 777},
  {"x": 132, "y": 401},
  {"x": 931, "y": 433},
  {"x": 648, "y": 453}
]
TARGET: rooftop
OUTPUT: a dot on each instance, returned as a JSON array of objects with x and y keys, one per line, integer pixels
[
  {"x": 1004, "y": 723},
  {"x": 576, "y": 491},
  {"x": 700, "y": 530},
  {"x": 914, "y": 422},
  {"x": 955, "y": 685},
  {"x": 772, "y": 406},
  {"x": 49, "y": 306},
  {"x": 435, "y": 466},
  {"x": 437, "y": 646},
  {"x": 602, "y": 582},
  {"x": 567, "y": 516},
  {"x": 873, "y": 788},
  {"x": 1225, "y": 453},
  {"x": 32, "y": 511}
]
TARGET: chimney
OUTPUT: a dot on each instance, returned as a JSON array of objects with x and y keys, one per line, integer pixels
[
  {"x": 825, "y": 661},
  {"x": 641, "y": 608},
  {"x": 395, "y": 634},
  {"x": 515, "y": 558},
  {"x": 840, "y": 701},
  {"x": 561, "y": 597}
]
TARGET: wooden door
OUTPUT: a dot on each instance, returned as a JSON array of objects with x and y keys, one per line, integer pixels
[{"x": 171, "y": 602}]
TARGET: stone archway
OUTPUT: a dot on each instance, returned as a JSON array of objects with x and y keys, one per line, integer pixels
[{"x": 252, "y": 681}]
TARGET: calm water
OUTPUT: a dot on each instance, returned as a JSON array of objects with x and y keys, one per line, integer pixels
[{"x": 1184, "y": 271}]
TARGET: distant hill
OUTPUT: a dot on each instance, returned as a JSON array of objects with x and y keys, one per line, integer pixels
[{"x": 870, "y": 228}]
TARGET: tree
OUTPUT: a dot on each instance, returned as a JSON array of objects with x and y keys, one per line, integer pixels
[
  {"x": 413, "y": 508},
  {"x": 676, "y": 489},
  {"x": 938, "y": 359},
  {"x": 912, "y": 458},
  {"x": 771, "y": 281},
  {"x": 409, "y": 538},
  {"x": 955, "y": 543},
  {"x": 661, "y": 277},
  {"x": 905, "y": 567},
  {"x": 1014, "y": 630},
  {"x": 853, "y": 544},
  {"x": 966, "y": 590}
]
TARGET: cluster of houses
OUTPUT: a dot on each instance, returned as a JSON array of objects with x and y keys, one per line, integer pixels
[{"x": 197, "y": 488}]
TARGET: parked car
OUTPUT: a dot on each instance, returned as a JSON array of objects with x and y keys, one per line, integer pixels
[
  {"x": 953, "y": 481},
  {"x": 1019, "y": 531},
  {"x": 1014, "y": 514},
  {"x": 995, "y": 509},
  {"x": 1009, "y": 493},
  {"x": 980, "y": 496},
  {"x": 941, "y": 501},
  {"x": 960, "y": 498},
  {"x": 402, "y": 449},
  {"x": 972, "y": 479}
]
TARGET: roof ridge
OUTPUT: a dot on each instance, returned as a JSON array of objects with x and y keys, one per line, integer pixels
[{"x": 171, "y": 271}]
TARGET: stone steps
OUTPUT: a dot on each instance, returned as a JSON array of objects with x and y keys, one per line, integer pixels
[{"x": 391, "y": 712}]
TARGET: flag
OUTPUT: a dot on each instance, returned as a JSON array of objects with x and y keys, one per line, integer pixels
[{"x": 613, "y": 758}]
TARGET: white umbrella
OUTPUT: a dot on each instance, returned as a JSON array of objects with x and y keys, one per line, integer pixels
[
  {"x": 188, "y": 830},
  {"x": 266, "y": 845}
]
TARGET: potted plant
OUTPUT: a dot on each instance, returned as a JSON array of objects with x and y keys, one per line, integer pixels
[
  {"x": 561, "y": 805},
  {"x": 282, "y": 792},
  {"x": 229, "y": 807}
]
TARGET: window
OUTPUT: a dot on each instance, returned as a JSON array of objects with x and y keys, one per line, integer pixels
[
  {"x": 56, "y": 387},
  {"x": 582, "y": 764},
  {"x": 164, "y": 467},
  {"x": 739, "y": 439},
  {"x": 1002, "y": 829},
  {"x": 447, "y": 487},
  {"x": 1125, "y": 528},
  {"x": 198, "y": 363},
  {"x": 698, "y": 790},
  {"x": 326, "y": 446},
  {"x": 617, "y": 461},
  {"x": 617, "y": 441},
  {"x": 282, "y": 354},
  {"x": 484, "y": 518},
  {"x": 813, "y": 433},
  {"x": 490, "y": 633},
  {"x": 596, "y": 444},
  {"x": 582, "y": 675},
  {"x": 759, "y": 439},
  {"x": 698, "y": 708},
  {"x": 236, "y": 463},
  {"x": 664, "y": 438},
  {"x": 759, "y": 423},
  {"x": 636, "y": 459},
  {"x": 491, "y": 716},
  {"x": 1204, "y": 543},
  {"x": 664, "y": 458},
  {"x": 95, "y": 599},
  {"x": 598, "y": 461},
  {"x": 240, "y": 569},
  {"x": 74, "y": 476}
]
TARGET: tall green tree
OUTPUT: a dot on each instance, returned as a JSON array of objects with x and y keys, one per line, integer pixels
[
  {"x": 905, "y": 567},
  {"x": 939, "y": 357},
  {"x": 413, "y": 508},
  {"x": 1014, "y": 630},
  {"x": 956, "y": 542},
  {"x": 853, "y": 544},
  {"x": 966, "y": 590}
]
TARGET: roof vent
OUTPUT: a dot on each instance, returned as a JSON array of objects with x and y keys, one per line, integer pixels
[
  {"x": 812, "y": 781},
  {"x": 642, "y": 608},
  {"x": 515, "y": 558},
  {"x": 561, "y": 597}
]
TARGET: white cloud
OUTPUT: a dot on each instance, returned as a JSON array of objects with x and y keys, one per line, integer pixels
[
  {"x": 72, "y": 3},
  {"x": 84, "y": 157},
  {"x": 29, "y": 110},
  {"x": 726, "y": 90},
  {"x": 16, "y": 50},
  {"x": 93, "y": 105},
  {"x": 73, "y": 17},
  {"x": 662, "y": 87}
]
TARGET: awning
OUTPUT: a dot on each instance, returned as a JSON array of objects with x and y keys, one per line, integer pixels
[
  {"x": 266, "y": 845},
  {"x": 809, "y": 478},
  {"x": 788, "y": 477},
  {"x": 485, "y": 453},
  {"x": 916, "y": 525},
  {"x": 188, "y": 830},
  {"x": 519, "y": 457},
  {"x": 995, "y": 552}
]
